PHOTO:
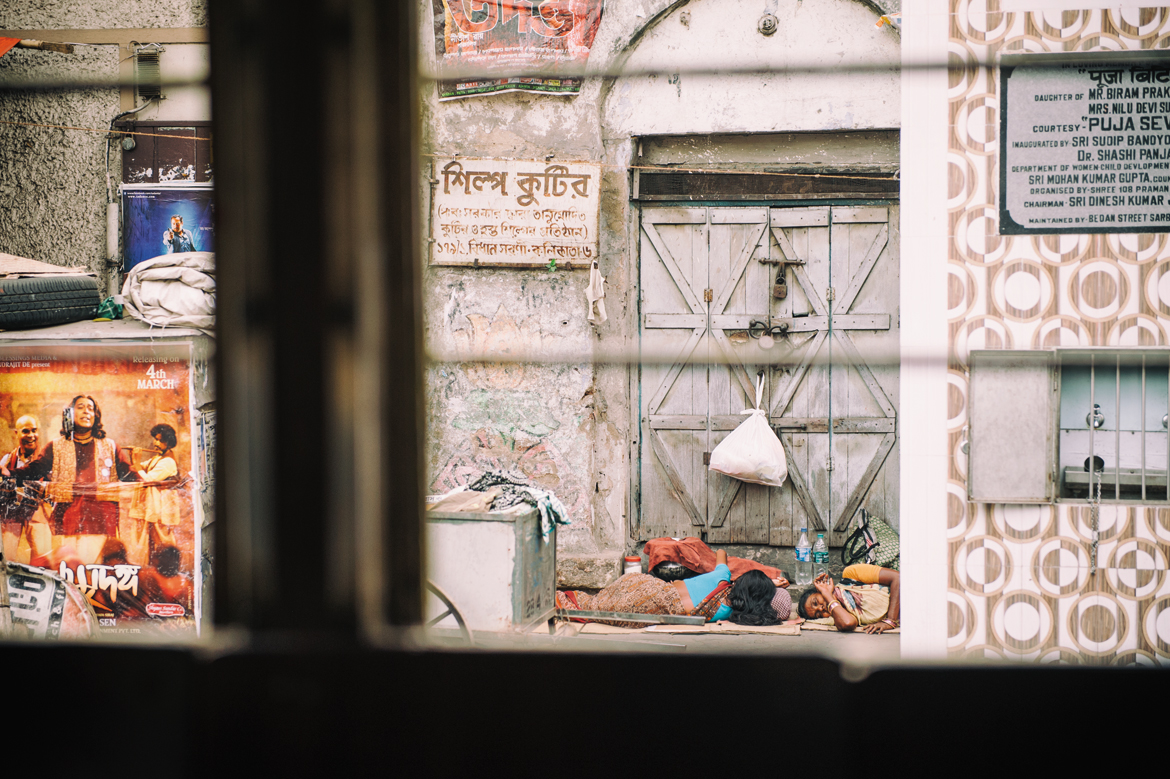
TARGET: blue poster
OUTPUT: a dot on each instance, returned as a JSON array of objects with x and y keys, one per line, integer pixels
[{"x": 165, "y": 220}]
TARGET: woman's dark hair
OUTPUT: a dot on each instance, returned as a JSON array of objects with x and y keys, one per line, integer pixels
[
  {"x": 113, "y": 552},
  {"x": 167, "y": 433},
  {"x": 804, "y": 596},
  {"x": 97, "y": 430},
  {"x": 167, "y": 560},
  {"x": 751, "y": 600}
]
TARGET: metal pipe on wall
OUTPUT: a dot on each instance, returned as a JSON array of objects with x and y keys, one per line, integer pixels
[{"x": 113, "y": 242}]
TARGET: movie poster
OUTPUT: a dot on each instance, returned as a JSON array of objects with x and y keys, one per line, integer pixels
[
  {"x": 526, "y": 40},
  {"x": 96, "y": 452},
  {"x": 159, "y": 219}
]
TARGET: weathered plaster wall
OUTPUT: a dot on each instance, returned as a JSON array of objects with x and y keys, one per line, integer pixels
[
  {"x": 724, "y": 35},
  {"x": 88, "y": 15},
  {"x": 52, "y": 182},
  {"x": 570, "y": 425}
]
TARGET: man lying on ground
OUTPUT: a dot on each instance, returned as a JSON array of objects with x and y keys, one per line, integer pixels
[{"x": 851, "y": 605}]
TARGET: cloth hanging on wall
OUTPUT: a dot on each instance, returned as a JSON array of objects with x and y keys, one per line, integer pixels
[{"x": 595, "y": 294}]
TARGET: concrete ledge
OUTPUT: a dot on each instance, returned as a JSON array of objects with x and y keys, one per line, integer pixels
[{"x": 588, "y": 571}]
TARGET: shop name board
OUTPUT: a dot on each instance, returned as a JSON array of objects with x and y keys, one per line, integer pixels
[
  {"x": 1085, "y": 143},
  {"x": 514, "y": 213}
]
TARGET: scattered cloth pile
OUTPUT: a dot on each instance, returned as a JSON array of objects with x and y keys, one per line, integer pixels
[{"x": 498, "y": 491}]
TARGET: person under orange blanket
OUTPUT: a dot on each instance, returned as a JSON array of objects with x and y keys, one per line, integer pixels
[{"x": 692, "y": 553}]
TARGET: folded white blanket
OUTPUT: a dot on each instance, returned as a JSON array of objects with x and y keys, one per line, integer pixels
[{"x": 173, "y": 290}]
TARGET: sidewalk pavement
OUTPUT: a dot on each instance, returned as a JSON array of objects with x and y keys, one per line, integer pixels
[{"x": 853, "y": 648}]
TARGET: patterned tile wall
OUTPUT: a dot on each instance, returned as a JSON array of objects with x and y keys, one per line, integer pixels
[{"x": 1019, "y": 575}]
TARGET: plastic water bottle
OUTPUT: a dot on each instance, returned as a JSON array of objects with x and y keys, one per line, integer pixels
[
  {"x": 820, "y": 556},
  {"x": 804, "y": 574}
]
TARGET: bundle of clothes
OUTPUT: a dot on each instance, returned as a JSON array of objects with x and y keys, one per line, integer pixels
[{"x": 498, "y": 491}]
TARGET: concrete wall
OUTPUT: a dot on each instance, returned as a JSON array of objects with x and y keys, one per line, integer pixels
[
  {"x": 568, "y": 426},
  {"x": 52, "y": 182}
]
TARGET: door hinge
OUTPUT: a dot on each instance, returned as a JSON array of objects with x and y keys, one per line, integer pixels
[
  {"x": 708, "y": 295},
  {"x": 830, "y": 294},
  {"x": 706, "y": 458}
]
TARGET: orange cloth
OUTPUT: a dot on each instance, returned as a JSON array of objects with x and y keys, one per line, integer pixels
[
  {"x": 862, "y": 572},
  {"x": 694, "y": 554}
]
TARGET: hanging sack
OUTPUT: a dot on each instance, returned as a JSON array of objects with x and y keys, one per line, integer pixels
[
  {"x": 873, "y": 542},
  {"x": 752, "y": 452}
]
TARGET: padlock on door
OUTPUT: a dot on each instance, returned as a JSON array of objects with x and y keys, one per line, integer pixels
[{"x": 780, "y": 288}]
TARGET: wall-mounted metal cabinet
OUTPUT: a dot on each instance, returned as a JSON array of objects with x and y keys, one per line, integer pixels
[{"x": 1068, "y": 423}]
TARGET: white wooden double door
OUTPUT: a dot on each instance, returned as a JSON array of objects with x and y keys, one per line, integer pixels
[{"x": 831, "y": 378}]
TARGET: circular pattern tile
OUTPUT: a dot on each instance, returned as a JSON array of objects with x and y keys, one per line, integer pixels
[
  {"x": 1061, "y": 331},
  {"x": 1158, "y": 521},
  {"x": 1137, "y": 24},
  {"x": 977, "y": 239},
  {"x": 959, "y": 518},
  {"x": 1098, "y": 290},
  {"x": 973, "y": 22},
  {"x": 1112, "y": 520},
  {"x": 956, "y": 400},
  {"x": 1060, "y": 26},
  {"x": 1022, "y": 521},
  {"x": 963, "y": 73},
  {"x": 962, "y": 291},
  {"x": 1025, "y": 44},
  {"x": 1022, "y": 621},
  {"x": 982, "y": 652},
  {"x": 1135, "y": 657},
  {"x": 1136, "y": 568},
  {"x": 1137, "y": 330},
  {"x": 1060, "y": 567},
  {"x": 1156, "y": 288},
  {"x": 962, "y": 619},
  {"x": 1022, "y": 290},
  {"x": 1156, "y": 626},
  {"x": 1100, "y": 41},
  {"x": 1059, "y": 656},
  {"x": 1062, "y": 249},
  {"x": 983, "y": 565},
  {"x": 959, "y": 457},
  {"x": 1136, "y": 248},
  {"x": 981, "y": 332},
  {"x": 1097, "y": 623}
]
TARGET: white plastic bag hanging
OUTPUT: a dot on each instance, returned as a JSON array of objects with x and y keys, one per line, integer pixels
[{"x": 752, "y": 452}]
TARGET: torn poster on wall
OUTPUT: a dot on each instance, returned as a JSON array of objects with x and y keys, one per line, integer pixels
[
  {"x": 516, "y": 213},
  {"x": 522, "y": 41},
  {"x": 97, "y": 456},
  {"x": 159, "y": 219}
]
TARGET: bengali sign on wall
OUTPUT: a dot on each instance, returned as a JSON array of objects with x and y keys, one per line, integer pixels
[
  {"x": 514, "y": 213},
  {"x": 1085, "y": 143}
]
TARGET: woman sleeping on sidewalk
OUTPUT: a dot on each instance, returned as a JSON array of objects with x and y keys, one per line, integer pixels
[
  {"x": 752, "y": 599},
  {"x": 851, "y": 605}
]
